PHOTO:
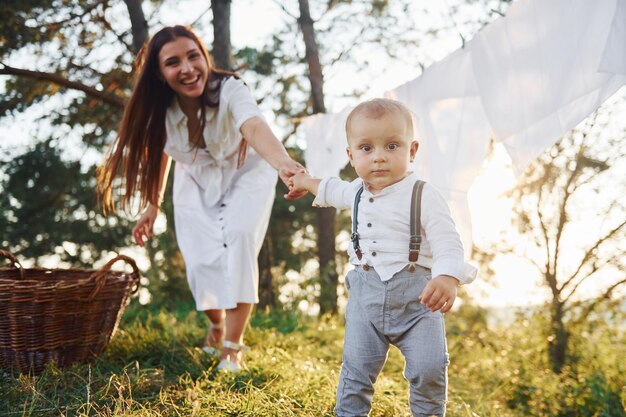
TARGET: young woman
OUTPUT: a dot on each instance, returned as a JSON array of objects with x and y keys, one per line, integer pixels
[{"x": 182, "y": 108}]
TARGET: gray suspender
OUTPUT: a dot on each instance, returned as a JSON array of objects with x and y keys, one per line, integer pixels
[
  {"x": 355, "y": 234},
  {"x": 415, "y": 224},
  {"x": 416, "y": 221}
]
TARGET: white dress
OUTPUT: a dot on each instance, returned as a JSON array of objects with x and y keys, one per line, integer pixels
[{"x": 221, "y": 213}]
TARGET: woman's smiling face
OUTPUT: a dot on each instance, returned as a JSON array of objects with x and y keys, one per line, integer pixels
[{"x": 183, "y": 67}]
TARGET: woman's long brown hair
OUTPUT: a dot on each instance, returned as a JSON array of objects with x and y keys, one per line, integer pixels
[{"x": 137, "y": 153}]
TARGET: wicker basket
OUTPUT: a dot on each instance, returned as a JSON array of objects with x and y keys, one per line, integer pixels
[{"x": 61, "y": 315}]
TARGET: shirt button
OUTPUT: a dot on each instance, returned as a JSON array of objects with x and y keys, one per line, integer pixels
[
  {"x": 373, "y": 253},
  {"x": 225, "y": 245},
  {"x": 366, "y": 267},
  {"x": 222, "y": 205},
  {"x": 371, "y": 200},
  {"x": 369, "y": 225}
]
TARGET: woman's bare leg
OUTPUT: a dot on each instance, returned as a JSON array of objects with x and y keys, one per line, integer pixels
[
  {"x": 216, "y": 328},
  {"x": 236, "y": 321}
]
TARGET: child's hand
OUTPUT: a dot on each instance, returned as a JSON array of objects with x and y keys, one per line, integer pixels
[
  {"x": 301, "y": 182},
  {"x": 294, "y": 193},
  {"x": 297, "y": 183},
  {"x": 440, "y": 293}
]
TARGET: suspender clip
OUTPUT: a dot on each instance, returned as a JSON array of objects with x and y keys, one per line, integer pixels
[{"x": 415, "y": 242}]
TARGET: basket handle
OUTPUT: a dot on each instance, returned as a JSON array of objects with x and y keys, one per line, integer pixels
[
  {"x": 100, "y": 276},
  {"x": 14, "y": 261}
]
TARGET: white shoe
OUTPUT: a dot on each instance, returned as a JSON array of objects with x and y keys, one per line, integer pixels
[
  {"x": 228, "y": 366},
  {"x": 236, "y": 365},
  {"x": 210, "y": 350}
]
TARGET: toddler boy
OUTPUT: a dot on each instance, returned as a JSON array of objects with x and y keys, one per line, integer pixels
[{"x": 395, "y": 296}]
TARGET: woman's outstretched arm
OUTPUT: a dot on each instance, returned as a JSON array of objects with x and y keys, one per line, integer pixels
[{"x": 257, "y": 132}]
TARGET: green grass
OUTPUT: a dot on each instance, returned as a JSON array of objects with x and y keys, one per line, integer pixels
[{"x": 153, "y": 368}]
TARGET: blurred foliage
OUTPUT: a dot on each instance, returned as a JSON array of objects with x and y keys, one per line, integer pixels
[
  {"x": 40, "y": 192},
  {"x": 510, "y": 363},
  {"x": 571, "y": 225},
  {"x": 48, "y": 203}
]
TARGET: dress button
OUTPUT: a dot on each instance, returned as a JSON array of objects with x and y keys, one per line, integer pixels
[
  {"x": 373, "y": 253},
  {"x": 371, "y": 200},
  {"x": 225, "y": 245},
  {"x": 369, "y": 225},
  {"x": 222, "y": 205}
]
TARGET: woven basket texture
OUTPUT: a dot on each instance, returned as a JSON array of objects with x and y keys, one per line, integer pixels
[{"x": 61, "y": 315}]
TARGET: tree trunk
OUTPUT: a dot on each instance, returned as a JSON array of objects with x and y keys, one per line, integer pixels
[
  {"x": 559, "y": 338},
  {"x": 328, "y": 266},
  {"x": 222, "y": 51},
  {"x": 138, "y": 24},
  {"x": 326, "y": 216},
  {"x": 313, "y": 58}
]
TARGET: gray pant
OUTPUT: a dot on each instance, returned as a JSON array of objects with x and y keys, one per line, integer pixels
[{"x": 382, "y": 313}]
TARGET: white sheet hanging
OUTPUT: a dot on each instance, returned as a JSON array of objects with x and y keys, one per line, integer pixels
[
  {"x": 538, "y": 69},
  {"x": 452, "y": 130},
  {"x": 614, "y": 56},
  {"x": 325, "y": 135}
]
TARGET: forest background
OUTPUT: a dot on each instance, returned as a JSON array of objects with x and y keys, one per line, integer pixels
[{"x": 65, "y": 71}]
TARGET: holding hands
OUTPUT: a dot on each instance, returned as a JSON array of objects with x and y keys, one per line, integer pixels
[
  {"x": 286, "y": 172},
  {"x": 303, "y": 182}
]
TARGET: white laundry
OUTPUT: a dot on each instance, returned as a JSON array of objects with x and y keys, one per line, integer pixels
[
  {"x": 539, "y": 70},
  {"x": 613, "y": 56},
  {"x": 325, "y": 136},
  {"x": 452, "y": 130}
]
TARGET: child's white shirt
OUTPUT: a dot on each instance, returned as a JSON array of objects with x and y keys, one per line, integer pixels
[{"x": 384, "y": 227}]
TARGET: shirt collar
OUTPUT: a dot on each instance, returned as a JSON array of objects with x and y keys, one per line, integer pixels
[
  {"x": 175, "y": 114},
  {"x": 406, "y": 182}
]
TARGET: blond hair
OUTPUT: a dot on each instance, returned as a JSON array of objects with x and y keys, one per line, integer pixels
[{"x": 377, "y": 108}]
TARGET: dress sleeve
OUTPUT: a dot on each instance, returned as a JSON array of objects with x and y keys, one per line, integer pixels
[{"x": 241, "y": 105}]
